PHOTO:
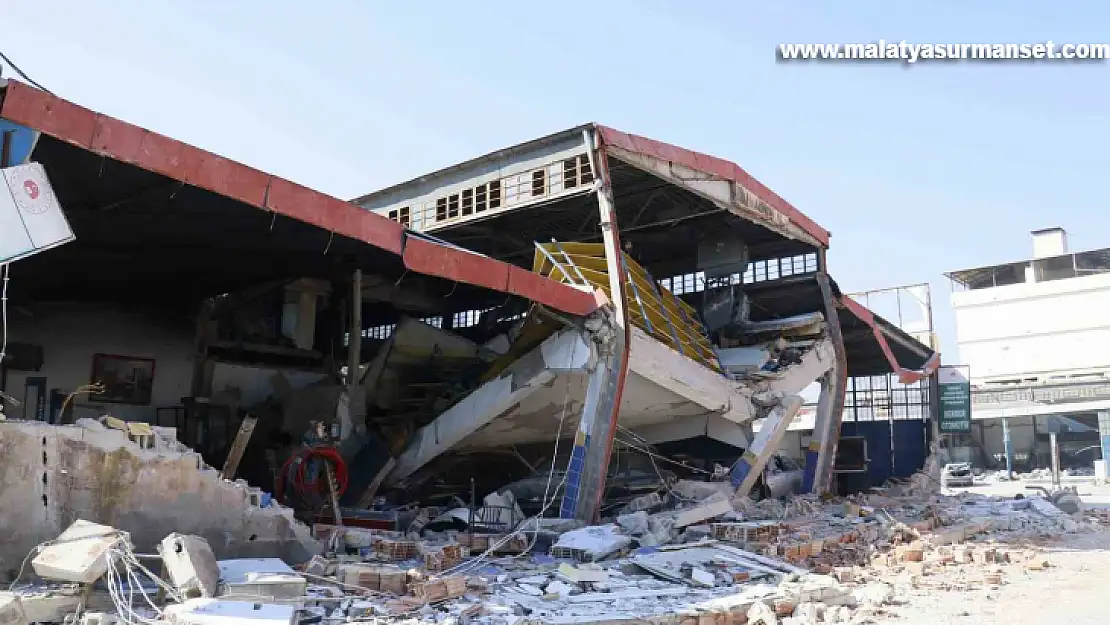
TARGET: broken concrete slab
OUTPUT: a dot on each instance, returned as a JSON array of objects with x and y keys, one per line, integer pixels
[
  {"x": 590, "y": 543},
  {"x": 205, "y": 611},
  {"x": 80, "y": 554},
  {"x": 703, "y": 512},
  {"x": 11, "y": 610},
  {"x": 261, "y": 577},
  {"x": 584, "y": 573},
  {"x": 191, "y": 565}
]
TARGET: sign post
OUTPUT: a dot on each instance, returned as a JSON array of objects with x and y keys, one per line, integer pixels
[{"x": 954, "y": 399}]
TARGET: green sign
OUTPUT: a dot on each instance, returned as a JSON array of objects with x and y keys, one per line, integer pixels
[{"x": 954, "y": 390}]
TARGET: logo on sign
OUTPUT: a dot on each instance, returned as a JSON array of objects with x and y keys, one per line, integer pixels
[
  {"x": 35, "y": 198},
  {"x": 31, "y": 189}
]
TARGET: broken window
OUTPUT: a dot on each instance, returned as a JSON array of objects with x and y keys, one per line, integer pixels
[{"x": 404, "y": 216}]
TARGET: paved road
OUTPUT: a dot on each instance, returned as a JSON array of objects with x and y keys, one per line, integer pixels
[
  {"x": 1093, "y": 495},
  {"x": 1072, "y": 592}
]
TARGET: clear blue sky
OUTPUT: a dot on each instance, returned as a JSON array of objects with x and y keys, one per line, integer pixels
[{"x": 914, "y": 170}]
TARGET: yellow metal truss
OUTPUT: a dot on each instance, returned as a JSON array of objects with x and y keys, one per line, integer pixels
[{"x": 651, "y": 307}]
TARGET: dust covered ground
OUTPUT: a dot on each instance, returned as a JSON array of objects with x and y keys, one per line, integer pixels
[{"x": 1073, "y": 590}]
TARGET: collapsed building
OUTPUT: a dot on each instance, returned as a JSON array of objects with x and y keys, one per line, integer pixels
[
  {"x": 721, "y": 285},
  {"x": 591, "y": 288}
]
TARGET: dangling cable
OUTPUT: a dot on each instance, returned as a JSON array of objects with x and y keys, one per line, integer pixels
[{"x": 4, "y": 269}]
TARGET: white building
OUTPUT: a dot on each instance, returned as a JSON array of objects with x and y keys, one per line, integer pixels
[{"x": 1035, "y": 335}]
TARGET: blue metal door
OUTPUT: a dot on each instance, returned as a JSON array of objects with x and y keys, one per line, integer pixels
[
  {"x": 877, "y": 433},
  {"x": 909, "y": 446}
]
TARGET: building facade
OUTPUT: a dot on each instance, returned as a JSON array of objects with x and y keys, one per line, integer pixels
[{"x": 1035, "y": 336}]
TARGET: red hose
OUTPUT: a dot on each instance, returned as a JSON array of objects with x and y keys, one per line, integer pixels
[{"x": 327, "y": 454}]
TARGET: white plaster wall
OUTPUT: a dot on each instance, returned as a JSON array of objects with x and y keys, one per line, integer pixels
[
  {"x": 71, "y": 334},
  {"x": 51, "y": 476},
  {"x": 1035, "y": 328}
]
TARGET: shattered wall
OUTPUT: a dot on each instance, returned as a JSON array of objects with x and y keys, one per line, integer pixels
[
  {"x": 71, "y": 334},
  {"x": 52, "y": 475}
]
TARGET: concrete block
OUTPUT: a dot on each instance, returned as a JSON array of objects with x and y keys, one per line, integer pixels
[
  {"x": 703, "y": 577},
  {"x": 50, "y": 608},
  {"x": 99, "y": 618},
  {"x": 79, "y": 554},
  {"x": 261, "y": 577},
  {"x": 584, "y": 573},
  {"x": 205, "y": 611},
  {"x": 11, "y": 610},
  {"x": 191, "y": 565},
  {"x": 703, "y": 512}
]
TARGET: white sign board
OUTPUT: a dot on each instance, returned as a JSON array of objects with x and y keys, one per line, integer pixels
[
  {"x": 31, "y": 220},
  {"x": 952, "y": 374}
]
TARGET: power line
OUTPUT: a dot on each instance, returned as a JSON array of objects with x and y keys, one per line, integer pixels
[{"x": 23, "y": 74}]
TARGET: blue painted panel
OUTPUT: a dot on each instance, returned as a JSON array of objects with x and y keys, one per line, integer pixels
[
  {"x": 877, "y": 433},
  {"x": 909, "y": 446},
  {"x": 23, "y": 141},
  {"x": 810, "y": 471}
]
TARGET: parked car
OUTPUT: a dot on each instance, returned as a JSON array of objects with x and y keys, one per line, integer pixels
[{"x": 956, "y": 474}]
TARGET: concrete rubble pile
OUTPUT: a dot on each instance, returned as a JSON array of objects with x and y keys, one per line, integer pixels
[{"x": 688, "y": 555}]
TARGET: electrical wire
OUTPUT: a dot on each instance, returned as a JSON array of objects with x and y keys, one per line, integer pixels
[
  {"x": 5, "y": 278},
  {"x": 120, "y": 556},
  {"x": 652, "y": 454},
  {"x": 22, "y": 73},
  {"x": 474, "y": 562}
]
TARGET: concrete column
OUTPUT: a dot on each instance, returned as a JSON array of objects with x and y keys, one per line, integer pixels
[
  {"x": 748, "y": 469},
  {"x": 1104, "y": 434},
  {"x": 589, "y": 458},
  {"x": 1008, "y": 444},
  {"x": 597, "y": 428},
  {"x": 829, "y": 436},
  {"x": 820, "y": 424},
  {"x": 354, "y": 338},
  {"x": 1054, "y": 449}
]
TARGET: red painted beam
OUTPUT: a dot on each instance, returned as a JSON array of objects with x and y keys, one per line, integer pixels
[
  {"x": 718, "y": 167},
  {"x": 905, "y": 376},
  {"x": 180, "y": 161}
]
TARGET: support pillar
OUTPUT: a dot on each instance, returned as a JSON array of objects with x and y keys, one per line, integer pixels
[
  {"x": 1054, "y": 448},
  {"x": 829, "y": 436},
  {"x": 593, "y": 443},
  {"x": 1104, "y": 434},
  {"x": 1008, "y": 445},
  {"x": 750, "y": 466},
  {"x": 355, "y": 400},
  {"x": 589, "y": 458},
  {"x": 354, "y": 340},
  {"x": 820, "y": 424}
]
